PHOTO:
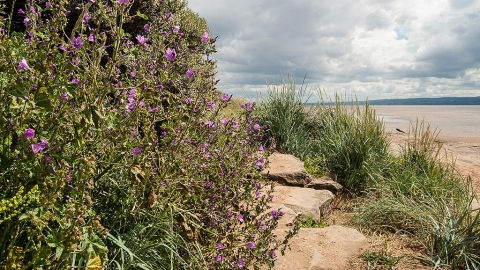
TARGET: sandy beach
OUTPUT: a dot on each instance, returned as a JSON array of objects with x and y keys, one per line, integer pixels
[{"x": 458, "y": 127}]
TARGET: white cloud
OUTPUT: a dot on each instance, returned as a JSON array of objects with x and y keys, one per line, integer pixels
[{"x": 374, "y": 48}]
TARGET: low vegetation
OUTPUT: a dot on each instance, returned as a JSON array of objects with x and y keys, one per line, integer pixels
[
  {"x": 117, "y": 151},
  {"x": 416, "y": 191}
]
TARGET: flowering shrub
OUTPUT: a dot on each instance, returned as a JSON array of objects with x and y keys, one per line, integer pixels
[{"x": 112, "y": 153}]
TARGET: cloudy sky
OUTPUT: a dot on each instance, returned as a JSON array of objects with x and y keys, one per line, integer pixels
[{"x": 368, "y": 48}]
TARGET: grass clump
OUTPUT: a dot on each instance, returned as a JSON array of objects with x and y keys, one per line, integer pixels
[
  {"x": 353, "y": 142},
  {"x": 347, "y": 140},
  {"x": 380, "y": 258},
  {"x": 425, "y": 197},
  {"x": 284, "y": 111}
]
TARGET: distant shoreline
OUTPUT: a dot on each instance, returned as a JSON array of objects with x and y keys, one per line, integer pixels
[{"x": 418, "y": 101}]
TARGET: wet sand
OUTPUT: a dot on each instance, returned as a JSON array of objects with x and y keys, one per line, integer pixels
[{"x": 458, "y": 127}]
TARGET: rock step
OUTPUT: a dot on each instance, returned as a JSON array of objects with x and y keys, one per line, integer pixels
[
  {"x": 310, "y": 202},
  {"x": 286, "y": 170},
  {"x": 328, "y": 248}
]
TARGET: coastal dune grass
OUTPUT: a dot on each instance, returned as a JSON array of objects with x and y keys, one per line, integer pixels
[
  {"x": 347, "y": 140},
  {"x": 353, "y": 142},
  {"x": 417, "y": 191},
  {"x": 426, "y": 197},
  {"x": 284, "y": 111}
]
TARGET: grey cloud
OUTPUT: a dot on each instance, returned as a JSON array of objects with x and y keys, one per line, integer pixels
[{"x": 356, "y": 46}]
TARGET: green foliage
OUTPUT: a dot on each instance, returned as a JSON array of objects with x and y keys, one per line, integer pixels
[
  {"x": 119, "y": 143},
  {"x": 353, "y": 142},
  {"x": 309, "y": 222},
  {"x": 346, "y": 140},
  {"x": 290, "y": 122},
  {"x": 451, "y": 237},
  {"x": 316, "y": 166},
  {"x": 382, "y": 258},
  {"x": 423, "y": 195}
]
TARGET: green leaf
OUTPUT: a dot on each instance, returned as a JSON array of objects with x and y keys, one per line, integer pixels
[
  {"x": 55, "y": 240},
  {"x": 143, "y": 16},
  {"x": 43, "y": 101},
  {"x": 19, "y": 91},
  {"x": 39, "y": 34},
  {"x": 96, "y": 115}
]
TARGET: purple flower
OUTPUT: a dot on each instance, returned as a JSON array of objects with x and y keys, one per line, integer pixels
[
  {"x": 259, "y": 163},
  {"x": 131, "y": 96},
  {"x": 87, "y": 17},
  {"x": 123, "y": 2},
  {"x": 188, "y": 100},
  {"x": 219, "y": 258},
  {"x": 241, "y": 263},
  {"x": 142, "y": 40},
  {"x": 23, "y": 65},
  {"x": 190, "y": 73},
  {"x": 240, "y": 217},
  {"x": 77, "y": 43},
  {"x": 249, "y": 105},
  {"x": 274, "y": 255},
  {"x": 256, "y": 127},
  {"x": 91, "y": 38},
  {"x": 146, "y": 27},
  {"x": 26, "y": 21},
  {"x": 225, "y": 97},
  {"x": 130, "y": 107},
  {"x": 251, "y": 245},
  {"x": 210, "y": 105},
  {"x": 276, "y": 214},
  {"x": 170, "y": 54},
  {"x": 205, "y": 37},
  {"x": 37, "y": 147},
  {"x": 75, "y": 80},
  {"x": 29, "y": 133},
  {"x": 48, "y": 5},
  {"x": 20, "y": 11},
  {"x": 224, "y": 121},
  {"x": 64, "y": 96},
  {"x": 260, "y": 148},
  {"x": 176, "y": 29},
  {"x": 133, "y": 73},
  {"x": 235, "y": 124},
  {"x": 137, "y": 150},
  {"x": 220, "y": 246},
  {"x": 62, "y": 47},
  {"x": 209, "y": 123}
]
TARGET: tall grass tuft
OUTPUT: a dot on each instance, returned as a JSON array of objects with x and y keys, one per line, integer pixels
[
  {"x": 284, "y": 111},
  {"x": 353, "y": 142},
  {"x": 424, "y": 196}
]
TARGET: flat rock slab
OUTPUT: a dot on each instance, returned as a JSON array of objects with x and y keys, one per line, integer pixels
[
  {"x": 286, "y": 170},
  {"x": 325, "y": 183},
  {"x": 311, "y": 202},
  {"x": 328, "y": 248}
]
